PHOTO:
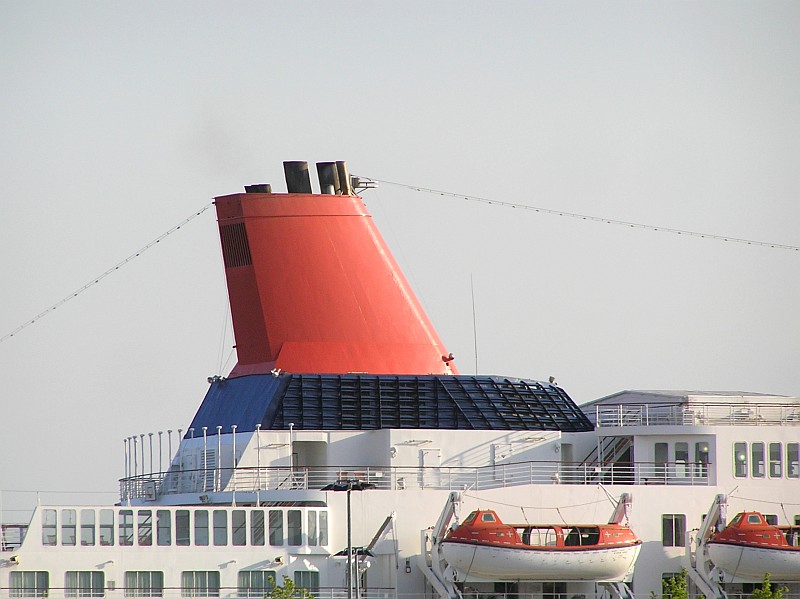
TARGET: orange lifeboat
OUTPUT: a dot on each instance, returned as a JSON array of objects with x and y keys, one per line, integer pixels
[
  {"x": 749, "y": 547},
  {"x": 483, "y": 547}
]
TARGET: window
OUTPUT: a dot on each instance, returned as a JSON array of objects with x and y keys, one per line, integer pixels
[
  {"x": 29, "y": 584},
  {"x": 182, "y": 528},
  {"x": 276, "y": 527},
  {"x": 757, "y": 457},
  {"x": 323, "y": 528},
  {"x": 673, "y": 530},
  {"x": 660, "y": 457},
  {"x": 126, "y": 527},
  {"x": 313, "y": 539},
  {"x": 294, "y": 527},
  {"x": 256, "y": 583},
  {"x": 307, "y": 579},
  {"x": 49, "y": 528},
  {"x": 200, "y": 584},
  {"x": 69, "y": 527},
  {"x": 220, "y": 527},
  {"x": 163, "y": 528},
  {"x": 257, "y": 527},
  {"x": 671, "y": 582},
  {"x": 701, "y": 458},
  {"x": 145, "y": 527},
  {"x": 106, "y": 528},
  {"x": 87, "y": 528},
  {"x": 84, "y": 584},
  {"x": 775, "y": 457},
  {"x": 793, "y": 460},
  {"x": 681, "y": 459},
  {"x": 238, "y": 527},
  {"x": 771, "y": 519},
  {"x": 554, "y": 590},
  {"x": 740, "y": 460},
  {"x": 201, "y": 527},
  {"x": 144, "y": 584}
]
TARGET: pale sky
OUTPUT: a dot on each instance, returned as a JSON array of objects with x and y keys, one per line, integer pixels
[{"x": 118, "y": 120}]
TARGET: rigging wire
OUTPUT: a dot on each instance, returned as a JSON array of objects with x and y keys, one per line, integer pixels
[
  {"x": 99, "y": 278},
  {"x": 780, "y": 503},
  {"x": 587, "y": 217},
  {"x": 533, "y": 507}
]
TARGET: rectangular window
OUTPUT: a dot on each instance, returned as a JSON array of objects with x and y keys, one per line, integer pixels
[
  {"x": 49, "y": 528},
  {"x": 294, "y": 527},
  {"x": 276, "y": 527},
  {"x": 257, "y": 527},
  {"x": 84, "y": 584},
  {"x": 238, "y": 527},
  {"x": 29, "y": 584},
  {"x": 681, "y": 459},
  {"x": 775, "y": 460},
  {"x": 220, "y": 527},
  {"x": 554, "y": 590},
  {"x": 701, "y": 458},
  {"x": 69, "y": 527},
  {"x": 163, "y": 528},
  {"x": 661, "y": 456},
  {"x": 106, "y": 528},
  {"x": 793, "y": 460},
  {"x": 87, "y": 528},
  {"x": 307, "y": 579},
  {"x": 323, "y": 528},
  {"x": 771, "y": 519},
  {"x": 126, "y": 527},
  {"x": 182, "y": 528},
  {"x": 740, "y": 459},
  {"x": 200, "y": 584},
  {"x": 256, "y": 583},
  {"x": 201, "y": 527},
  {"x": 145, "y": 527},
  {"x": 312, "y": 528},
  {"x": 144, "y": 584},
  {"x": 757, "y": 457},
  {"x": 673, "y": 530}
]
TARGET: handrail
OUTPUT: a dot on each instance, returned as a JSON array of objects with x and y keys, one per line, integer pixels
[
  {"x": 737, "y": 414},
  {"x": 251, "y": 479}
]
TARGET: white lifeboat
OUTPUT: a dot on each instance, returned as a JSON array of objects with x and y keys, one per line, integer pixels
[
  {"x": 482, "y": 547},
  {"x": 748, "y": 548}
]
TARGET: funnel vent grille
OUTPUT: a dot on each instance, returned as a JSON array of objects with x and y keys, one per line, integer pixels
[{"x": 235, "y": 246}]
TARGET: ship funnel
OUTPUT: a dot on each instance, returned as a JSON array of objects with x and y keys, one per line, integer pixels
[
  {"x": 313, "y": 286},
  {"x": 328, "y": 178},
  {"x": 297, "y": 179}
]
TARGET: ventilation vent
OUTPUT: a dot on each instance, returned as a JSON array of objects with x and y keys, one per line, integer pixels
[{"x": 235, "y": 247}]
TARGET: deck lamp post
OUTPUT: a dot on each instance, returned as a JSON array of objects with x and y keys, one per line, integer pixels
[{"x": 349, "y": 485}]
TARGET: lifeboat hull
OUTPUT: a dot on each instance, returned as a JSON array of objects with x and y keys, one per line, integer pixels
[
  {"x": 601, "y": 564},
  {"x": 747, "y": 563}
]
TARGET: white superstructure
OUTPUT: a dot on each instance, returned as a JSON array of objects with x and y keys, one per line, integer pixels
[{"x": 205, "y": 528}]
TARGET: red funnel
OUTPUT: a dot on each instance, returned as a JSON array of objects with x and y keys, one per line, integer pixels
[{"x": 314, "y": 289}]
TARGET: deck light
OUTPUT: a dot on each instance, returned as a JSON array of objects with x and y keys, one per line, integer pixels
[{"x": 349, "y": 485}]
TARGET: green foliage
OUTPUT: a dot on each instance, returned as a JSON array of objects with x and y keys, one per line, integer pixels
[
  {"x": 287, "y": 590},
  {"x": 767, "y": 591},
  {"x": 675, "y": 587}
]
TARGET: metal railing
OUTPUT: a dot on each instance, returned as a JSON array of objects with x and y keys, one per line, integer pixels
[
  {"x": 176, "y": 592},
  {"x": 240, "y": 479},
  {"x": 698, "y": 414},
  {"x": 323, "y": 593}
]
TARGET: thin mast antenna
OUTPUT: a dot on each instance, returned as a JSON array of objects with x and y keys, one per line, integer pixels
[{"x": 474, "y": 327}]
